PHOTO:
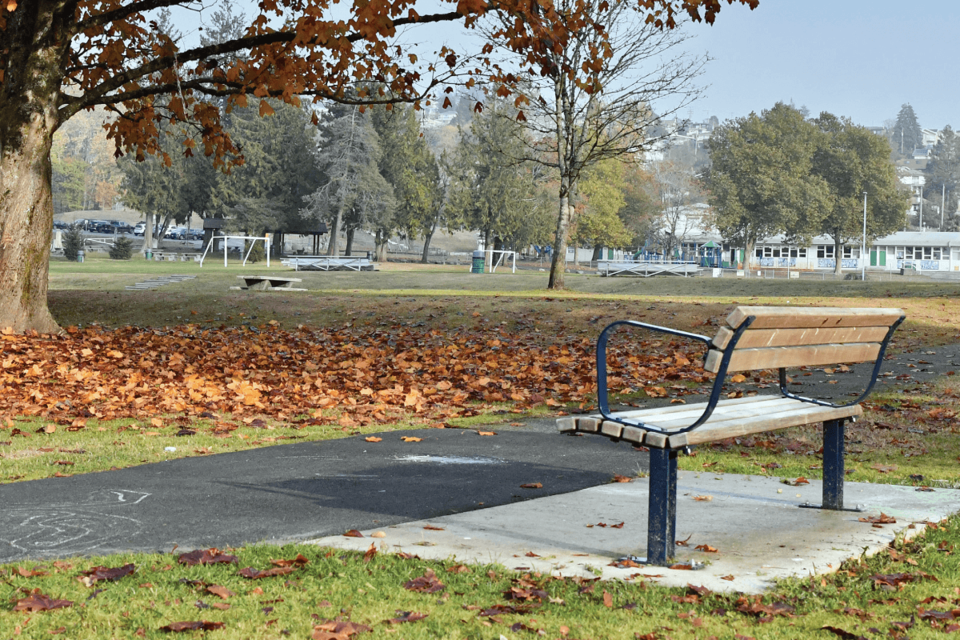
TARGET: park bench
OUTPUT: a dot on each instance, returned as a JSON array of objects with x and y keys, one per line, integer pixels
[
  {"x": 330, "y": 263},
  {"x": 269, "y": 283},
  {"x": 754, "y": 338}
]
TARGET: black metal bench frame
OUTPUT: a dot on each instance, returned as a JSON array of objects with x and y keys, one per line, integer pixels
[{"x": 662, "y": 512}]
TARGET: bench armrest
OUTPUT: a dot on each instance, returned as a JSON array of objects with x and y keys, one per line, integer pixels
[
  {"x": 869, "y": 388},
  {"x": 602, "y": 400}
]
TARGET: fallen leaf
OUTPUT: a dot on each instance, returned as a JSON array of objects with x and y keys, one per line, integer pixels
[
  {"x": 486, "y": 433},
  {"x": 407, "y": 616},
  {"x": 881, "y": 519},
  {"x": 255, "y": 574},
  {"x": 532, "y": 485},
  {"x": 427, "y": 583},
  {"x": 299, "y": 561},
  {"x": 353, "y": 533},
  {"x": 410, "y": 439},
  {"x": 39, "y": 602},
  {"x": 706, "y": 548},
  {"x": 373, "y": 439},
  {"x": 222, "y": 592},
  {"x": 95, "y": 574},
  {"x": 206, "y": 556}
]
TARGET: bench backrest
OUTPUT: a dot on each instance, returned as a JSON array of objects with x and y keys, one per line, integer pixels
[{"x": 781, "y": 337}]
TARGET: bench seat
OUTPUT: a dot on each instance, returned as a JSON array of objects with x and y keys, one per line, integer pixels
[{"x": 730, "y": 419}]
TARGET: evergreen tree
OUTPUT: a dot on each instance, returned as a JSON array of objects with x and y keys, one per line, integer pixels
[
  {"x": 122, "y": 248},
  {"x": 72, "y": 243},
  {"x": 490, "y": 191},
  {"x": 408, "y": 165},
  {"x": 907, "y": 134},
  {"x": 943, "y": 177},
  {"x": 266, "y": 192},
  {"x": 348, "y": 151}
]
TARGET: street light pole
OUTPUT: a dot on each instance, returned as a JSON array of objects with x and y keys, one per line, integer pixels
[{"x": 863, "y": 250}]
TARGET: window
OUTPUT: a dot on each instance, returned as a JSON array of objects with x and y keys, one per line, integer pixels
[
  {"x": 759, "y": 252},
  {"x": 936, "y": 253},
  {"x": 851, "y": 252},
  {"x": 900, "y": 253},
  {"x": 825, "y": 250}
]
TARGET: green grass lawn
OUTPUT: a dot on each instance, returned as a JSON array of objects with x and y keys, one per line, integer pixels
[{"x": 908, "y": 591}]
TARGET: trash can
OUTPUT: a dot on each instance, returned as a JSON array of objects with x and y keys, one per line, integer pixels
[
  {"x": 148, "y": 255},
  {"x": 79, "y": 256},
  {"x": 478, "y": 262}
]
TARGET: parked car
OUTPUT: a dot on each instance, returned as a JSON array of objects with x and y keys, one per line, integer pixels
[{"x": 140, "y": 229}]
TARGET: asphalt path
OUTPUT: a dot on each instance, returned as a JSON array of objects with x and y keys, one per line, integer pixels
[
  {"x": 307, "y": 490},
  {"x": 296, "y": 492}
]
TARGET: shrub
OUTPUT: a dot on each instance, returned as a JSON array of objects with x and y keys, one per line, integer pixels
[
  {"x": 258, "y": 254},
  {"x": 122, "y": 249},
  {"x": 72, "y": 243}
]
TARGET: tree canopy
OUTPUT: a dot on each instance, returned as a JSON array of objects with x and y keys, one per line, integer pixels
[
  {"x": 760, "y": 181},
  {"x": 853, "y": 161},
  {"x": 60, "y": 57},
  {"x": 778, "y": 173}
]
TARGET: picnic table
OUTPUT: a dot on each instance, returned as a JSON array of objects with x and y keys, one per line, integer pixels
[{"x": 270, "y": 283}]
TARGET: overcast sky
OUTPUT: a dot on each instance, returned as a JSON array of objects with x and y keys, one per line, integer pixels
[
  {"x": 861, "y": 59},
  {"x": 857, "y": 58}
]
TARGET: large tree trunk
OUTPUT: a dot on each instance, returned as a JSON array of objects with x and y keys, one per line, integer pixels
[
  {"x": 33, "y": 45},
  {"x": 559, "y": 260},
  {"x": 837, "y": 256},
  {"x": 348, "y": 250},
  {"x": 380, "y": 245},
  {"x": 427, "y": 237},
  {"x": 332, "y": 247},
  {"x": 148, "y": 235}
]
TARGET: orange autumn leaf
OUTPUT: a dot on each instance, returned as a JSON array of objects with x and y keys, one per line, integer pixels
[{"x": 373, "y": 439}]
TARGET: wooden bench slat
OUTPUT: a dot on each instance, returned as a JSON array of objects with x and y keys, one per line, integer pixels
[
  {"x": 673, "y": 409},
  {"x": 724, "y": 410},
  {"x": 800, "y": 317},
  {"x": 805, "y": 414},
  {"x": 752, "y": 338},
  {"x": 806, "y": 356}
]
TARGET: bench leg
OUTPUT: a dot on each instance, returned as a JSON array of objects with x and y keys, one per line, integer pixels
[
  {"x": 662, "y": 512},
  {"x": 833, "y": 471}
]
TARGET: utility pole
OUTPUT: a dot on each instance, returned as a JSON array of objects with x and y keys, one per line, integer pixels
[{"x": 863, "y": 249}]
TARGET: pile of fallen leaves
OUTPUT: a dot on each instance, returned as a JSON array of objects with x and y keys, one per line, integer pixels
[{"x": 364, "y": 376}]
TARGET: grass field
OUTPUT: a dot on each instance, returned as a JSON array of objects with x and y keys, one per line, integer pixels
[{"x": 907, "y": 592}]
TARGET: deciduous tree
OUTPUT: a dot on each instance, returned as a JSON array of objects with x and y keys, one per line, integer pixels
[
  {"x": 60, "y": 57},
  {"x": 852, "y": 160},
  {"x": 589, "y": 98},
  {"x": 760, "y": 181}
]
